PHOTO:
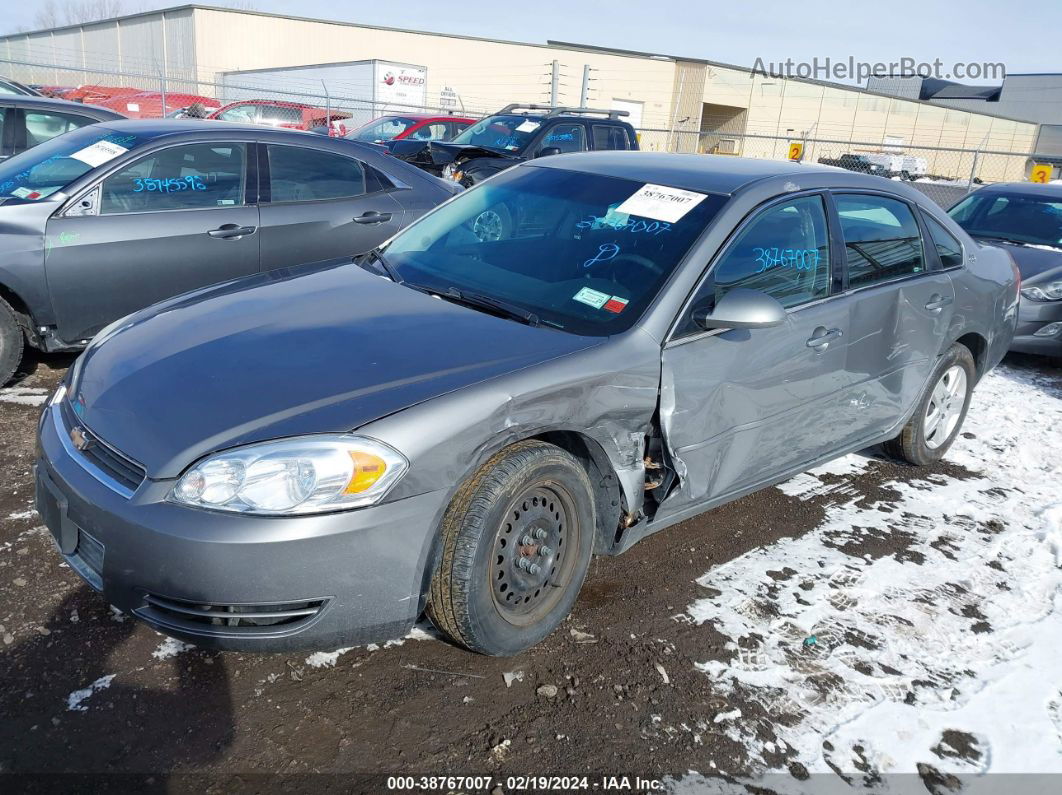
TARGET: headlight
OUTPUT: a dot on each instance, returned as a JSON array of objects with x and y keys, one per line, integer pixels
[
  {"x": 448, "y": 171},
  {"x": 1052, "y": 291},
  {"x": 308, "y": 474}
]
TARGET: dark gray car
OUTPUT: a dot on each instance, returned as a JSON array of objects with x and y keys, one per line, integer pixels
[
  {"x": 1025, "y": 220},
  {"x": 313, "y": 457},
  {"x": 110, "y": 218},
  {"x": 29, "y": 121}
]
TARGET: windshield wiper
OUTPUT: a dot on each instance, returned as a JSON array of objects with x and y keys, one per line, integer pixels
[
  {"x": 495, "y": 305},
  {"x": 377, "y": 256},
  {"x": 1015, "y": 242}
]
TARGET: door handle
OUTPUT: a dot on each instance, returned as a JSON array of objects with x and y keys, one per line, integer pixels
[
  {"x": 232, "y": 231},
  {"x": 372, "y": 217},
  {"x": 823, "y": 336},
  {"x": 938, "y": 302}
]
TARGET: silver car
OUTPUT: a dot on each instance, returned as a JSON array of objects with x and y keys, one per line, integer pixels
[{"x": 314, "y": 457}]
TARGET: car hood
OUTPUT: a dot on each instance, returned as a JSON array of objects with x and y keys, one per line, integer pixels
[
  {"x": 314, "y": 349},
  {"x": 433, "y": 155},
  {"x": 1031, "y": 260}
]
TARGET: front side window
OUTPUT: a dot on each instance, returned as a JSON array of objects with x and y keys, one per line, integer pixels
[
  {"x": 190, "y": 177},
  {"x": 948, "y": 248},
  {"x": 881, "y": 238},
  {"x": 42, "y": 126},
  {"x": 569, "y": 247},
  {"x": 784, "y": 252},
  {"x": 566, "y": 137},
  {"x": 46, "y": 169},
  {"x": 1012, "y": 217},
  {"x": 300, "y": 174},
  {"x": 436, "y": 131}
]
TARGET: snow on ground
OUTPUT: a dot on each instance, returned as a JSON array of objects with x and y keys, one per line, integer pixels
[
  {"x": 26, "y": 396},
  {"x": 867, "y": 660},
  {"x": 75, "y": 702}
]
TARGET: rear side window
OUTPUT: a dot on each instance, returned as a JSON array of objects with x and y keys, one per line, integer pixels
[
  {"x": 190, "y": 177},
  {"x": 247, "y": 114},
  {"x": 881, "y": 239},
  {"x": 948, "y": 248},
  {"x": 300, "y": 174},
  {"x": 566, "y": 137},
  {"x": 608, "y": 136},
  {"x": 42, "y": 126},
  {"x": 784, "y": 252}
]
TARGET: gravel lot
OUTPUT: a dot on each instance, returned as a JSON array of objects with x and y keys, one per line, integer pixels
[{"x": 864, "y": 619}]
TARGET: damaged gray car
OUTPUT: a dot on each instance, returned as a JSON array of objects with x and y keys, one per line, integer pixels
[{"x": 314, "y": 457}]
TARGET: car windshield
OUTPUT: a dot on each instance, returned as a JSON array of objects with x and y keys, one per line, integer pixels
[
  {"x": 508, "y": 133},
  {"x": 382, "y": 129},
  {"x": 582, "y": 252},
  {"x": 41, "y": 171},
  {"x": 1016, "y": 217}
]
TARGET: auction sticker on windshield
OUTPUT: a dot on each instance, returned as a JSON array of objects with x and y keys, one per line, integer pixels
[
  {"x": 591, "y": 298},
  {"x": 528, "y": 126},
  {"x": 661, "y": 203},
  {"x": 99, "y": 153}
]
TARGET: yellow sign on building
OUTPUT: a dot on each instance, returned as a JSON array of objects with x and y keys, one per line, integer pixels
[
  {"x": 1041, "y": 173},
  {"x": 796, "y": 150}
]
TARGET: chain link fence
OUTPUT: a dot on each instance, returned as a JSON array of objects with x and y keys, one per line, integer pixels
[{"x": 337, "y": 106}]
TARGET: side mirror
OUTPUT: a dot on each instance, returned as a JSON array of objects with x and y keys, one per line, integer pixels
[
  {"x": 548, "y": 150},
  {"x": 742, "y": 308}
]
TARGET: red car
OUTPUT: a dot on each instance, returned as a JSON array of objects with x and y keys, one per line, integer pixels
[
  {"x": 418, "y": 126},
  {"x": 293, "y": 115},
  {"x": 148, "y": 104}
]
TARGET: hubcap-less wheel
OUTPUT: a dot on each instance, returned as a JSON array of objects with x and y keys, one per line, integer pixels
[
  {"x": 488, "y": 226},
  {"x": 531, "y": 565},
  {"x": 945, "y": 407}
]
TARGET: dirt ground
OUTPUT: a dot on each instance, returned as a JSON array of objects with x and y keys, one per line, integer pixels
[{"x": 612, "y": 692}]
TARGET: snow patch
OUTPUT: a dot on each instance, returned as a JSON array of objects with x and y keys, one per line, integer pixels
[
  {"x": 75, "y": 701},
  {"x": 24, "y": 396},
  {"x": 170, "y": 647}
]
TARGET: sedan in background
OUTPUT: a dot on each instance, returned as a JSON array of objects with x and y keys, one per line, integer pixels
[
  {"x": 457, "y": 424},
  {"x": 419, "y": 127},
  {"x": 27, "y": 121},
  {"x": 1025, "y": 219},
  {"x": 290, "y": 115},
  {"x": 155, "y": 105},
  {"x": 112, "y": 217}
]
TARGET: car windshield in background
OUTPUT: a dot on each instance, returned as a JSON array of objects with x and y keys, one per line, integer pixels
[
  {"x": 41, "y": 171},
  {"x": 1014, "y": 217},
  {"x": 384, "y": 129},
  {"x": 508, "y": 133},
  {"x": 581, "y": 252}
]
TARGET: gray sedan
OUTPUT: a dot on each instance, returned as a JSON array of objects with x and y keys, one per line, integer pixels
[
  {"x": 313, "y": 457},
  {"x": 112, "y": 217}
]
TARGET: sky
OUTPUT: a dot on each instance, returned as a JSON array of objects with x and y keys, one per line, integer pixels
[{"x": 1019, "y": 33}]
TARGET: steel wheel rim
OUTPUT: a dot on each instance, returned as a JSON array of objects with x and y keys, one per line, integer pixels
[
  {"x": 488, "y": 226},
  {"x": 544, "y": 515},
  {"x": 946, "y": 403}
]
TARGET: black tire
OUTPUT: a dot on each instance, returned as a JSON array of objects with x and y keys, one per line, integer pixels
[
  {"x": 480, "y": 596},
  {"x": 12, "y": 341},
  {"x": 912, "y": 444}
]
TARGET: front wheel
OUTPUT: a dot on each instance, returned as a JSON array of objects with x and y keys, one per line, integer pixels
[
  {"x": 517, "y": 540},
  {"x": 11, "y": 342},
  {"x": 940, "y": 413}
]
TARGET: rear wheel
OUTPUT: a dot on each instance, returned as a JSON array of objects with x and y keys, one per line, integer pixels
[
  {"x": 11, "y": 342},
  {"x": 940, "y": 413},
  {"x": 517, "y": 541}
]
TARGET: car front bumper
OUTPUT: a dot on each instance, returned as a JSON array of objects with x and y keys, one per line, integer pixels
[
  {"x": 1033, "y": 316},
  {"x": 237, "y": 582}
]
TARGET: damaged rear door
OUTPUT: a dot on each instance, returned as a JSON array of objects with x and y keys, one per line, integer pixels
[{"x": 738, "y": 406}]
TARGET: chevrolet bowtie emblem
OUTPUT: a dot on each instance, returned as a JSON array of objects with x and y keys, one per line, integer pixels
[{"x": 80, "y": 440}]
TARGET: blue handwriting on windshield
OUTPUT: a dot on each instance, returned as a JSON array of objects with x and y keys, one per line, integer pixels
[
  {"x": 633, "y": 225},
  {"x": 171, "y": 185},
  {"x": 801, "y": 259},
  {"x": 605, "y": 252}
]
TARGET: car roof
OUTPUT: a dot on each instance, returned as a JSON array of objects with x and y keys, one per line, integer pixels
[
  {"x": 1051, "y": 190},
  {"x": 52, "y": 103},
  {"x": 153, "y": 128},
  {"x": 704, "y": 173}
]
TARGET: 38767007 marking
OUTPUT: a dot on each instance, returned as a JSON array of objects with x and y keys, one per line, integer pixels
[
  {"x": 801, "y": 259},
  {"x": 440, "y": 783}
]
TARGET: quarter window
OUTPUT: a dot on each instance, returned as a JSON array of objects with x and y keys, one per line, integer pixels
[
  {"x": 191, "y": 177},
  {"x": 948, "y": 248},
  {"x": 300, "y": 174},
  {"x": 881, "y": 239},
  {"x": 784, "y": 252},
  {"x": 566, "y": 137}
]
